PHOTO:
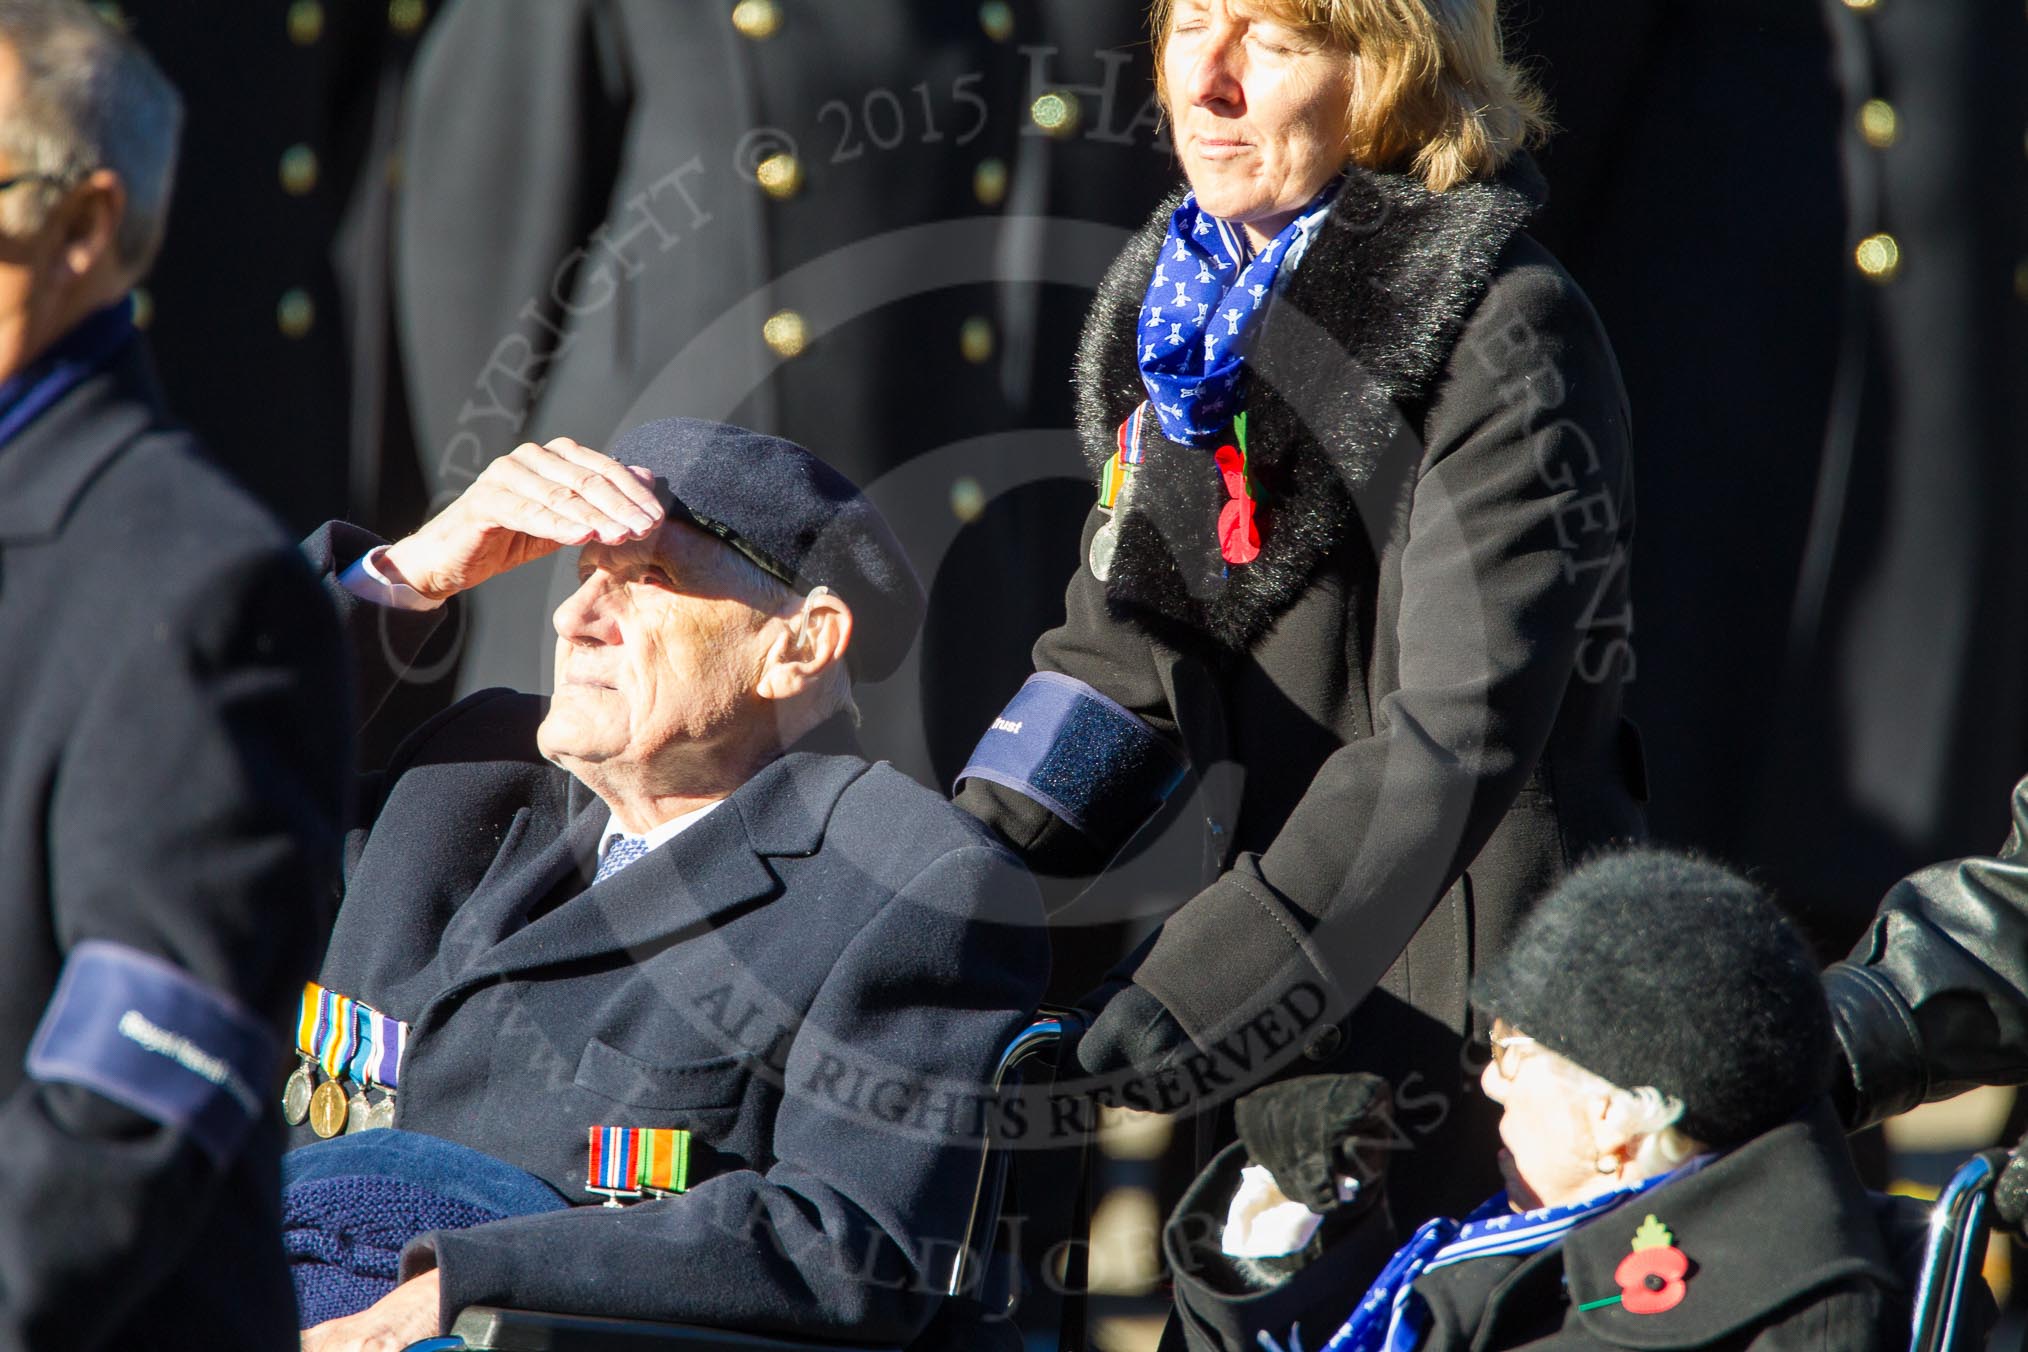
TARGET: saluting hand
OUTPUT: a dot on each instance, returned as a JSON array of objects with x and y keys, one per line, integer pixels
[{"x": 525, "y": 505}]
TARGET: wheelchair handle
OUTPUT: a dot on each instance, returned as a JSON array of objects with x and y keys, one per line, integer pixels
[
  {"x": 1957, "y": 1227},
  {"x": 1040, "y": 1036}
]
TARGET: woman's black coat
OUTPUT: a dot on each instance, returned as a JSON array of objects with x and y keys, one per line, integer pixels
[
  {"x": 1787, "y": 1251},
  {"x": 1404, "y": 717}
]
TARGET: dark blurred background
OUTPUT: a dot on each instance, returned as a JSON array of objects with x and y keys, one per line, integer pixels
[{"x": 408, "y": 235}]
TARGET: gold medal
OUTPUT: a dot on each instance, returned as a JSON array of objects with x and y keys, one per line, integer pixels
[
  {"x": 357, "y": 1113},
  {"x": 328, "y": 1109},
  {"x": 296, "y": 1096}
]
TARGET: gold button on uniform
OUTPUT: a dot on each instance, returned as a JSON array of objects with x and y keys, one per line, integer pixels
[
  {"x": 997, "y": 18},
  {"x": 306, "y": 22},
  {"x": 757, "y": 19},
  {"x": 975, "y": 340},
  {"x": 1325, "y": 1045},
  {"x": 1056, "y": 113},
  {"x": 786, "y": 333},
  {"x": 780, "y": 176},
  {"x": 968, "y": 499},
  {"x": 1879, "y": 123},
  {"x": 299, "y": 170},
  {"x": 295, "y": 313},
  {"x": 1862, "y": 5},
  {"x": 406, "y": 16},
  {"x": 989, "y": 182},
  {"x": 1878, "y": 257}
]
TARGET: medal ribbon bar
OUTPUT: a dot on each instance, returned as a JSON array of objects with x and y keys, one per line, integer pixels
[
  {"x": 627, "y": 1161},
  {"x": 350, "y": 1039}
]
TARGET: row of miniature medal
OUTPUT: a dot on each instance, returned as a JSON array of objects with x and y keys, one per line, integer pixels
[
  {"x": 1238, "y": 523},
  {"x": 358, "y": 1050},
  {"x": 1113, "y": 481}
]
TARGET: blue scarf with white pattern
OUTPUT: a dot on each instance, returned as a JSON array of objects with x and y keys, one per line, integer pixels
[{"x": 1203, "y": 308}]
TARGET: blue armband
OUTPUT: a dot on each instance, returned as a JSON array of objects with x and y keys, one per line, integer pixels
[
  {"x": 148, "y": 1035},
  {"x": 1086, "y": 758}
]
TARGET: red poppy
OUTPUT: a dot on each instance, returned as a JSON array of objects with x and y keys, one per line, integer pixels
[
  {"x": 1238, "y": 536},
  {"x": 1651, "y": 1280}
]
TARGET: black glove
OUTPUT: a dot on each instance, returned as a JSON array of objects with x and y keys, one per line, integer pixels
[
  {"x": 1312, "y": 1131},
  {"x": 1132, "y": 1032},
  {"x": 2010, "y": 1192}
]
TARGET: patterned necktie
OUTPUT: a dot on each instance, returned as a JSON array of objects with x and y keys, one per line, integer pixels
[{"x": 621, "y": 850}]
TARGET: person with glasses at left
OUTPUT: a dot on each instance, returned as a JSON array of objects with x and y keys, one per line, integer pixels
[{"x": 174, "y": 758}]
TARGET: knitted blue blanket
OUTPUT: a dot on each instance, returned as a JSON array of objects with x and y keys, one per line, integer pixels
[{"x": 351, "y": 1203}]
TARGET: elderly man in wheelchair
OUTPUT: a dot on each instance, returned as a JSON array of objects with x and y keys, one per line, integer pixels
[
  {"x": 653, "y": 998},
  {"x": 1662, "y": 1048}
]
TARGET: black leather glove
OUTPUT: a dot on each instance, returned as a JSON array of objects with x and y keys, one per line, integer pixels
[
  {"x": 1312, "y": 1131},
  {"x": 1132, "y": 1032}
]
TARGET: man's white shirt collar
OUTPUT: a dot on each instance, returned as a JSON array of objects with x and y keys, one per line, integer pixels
[{"x": 660, "y": 835}]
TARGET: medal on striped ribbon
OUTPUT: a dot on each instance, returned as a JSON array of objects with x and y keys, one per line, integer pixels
[
  {"x": 635, "y": 1161},
  {"x": 1124, "y": 461},
  {"x": 352, "y": 1042},
  {"x": 336, "y": 1034},
  {"x": 665, "y": 1161},
  {"x": 614, "y": 1164}
]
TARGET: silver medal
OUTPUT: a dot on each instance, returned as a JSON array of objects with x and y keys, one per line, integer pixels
[
  {"x": 356, "y": 1113},
  {"x": 296, "y": 1096},
  {"x": 381, "y": 1114},
  {"x": 1103, "y": 546}
]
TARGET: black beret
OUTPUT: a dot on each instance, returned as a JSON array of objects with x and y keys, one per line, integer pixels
[
  {"x": 1654, "y": 967},
  {"x": 794, "y": 516}
]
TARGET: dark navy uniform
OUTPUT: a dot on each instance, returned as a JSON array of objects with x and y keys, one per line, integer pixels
[
  {"x": 1804, "y": 223},
  {"x": 814, "y": 979},
  {"x": 269, "y": 305},
  {"x": 173, "y": 761}
]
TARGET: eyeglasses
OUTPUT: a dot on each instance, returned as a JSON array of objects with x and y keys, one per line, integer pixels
[{"x": 1506, "y": 1049}]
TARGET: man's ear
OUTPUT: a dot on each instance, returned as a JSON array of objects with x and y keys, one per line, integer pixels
[
  {"x": 808, "y": 645},
  {"x": 90, "y": 219},
  {"x": 1609, "y": 1133}
]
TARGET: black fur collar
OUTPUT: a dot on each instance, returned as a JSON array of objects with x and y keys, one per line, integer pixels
[{"x": 1364, "y": 329}]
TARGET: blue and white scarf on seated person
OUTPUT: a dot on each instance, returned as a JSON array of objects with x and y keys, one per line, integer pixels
[
  {"x": 1393, "y": 1318},
  {"x": 1204, "y": 306}
]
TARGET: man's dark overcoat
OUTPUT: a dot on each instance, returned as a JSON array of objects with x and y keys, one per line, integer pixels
[
  {"x": 173, "y": 765},
  {"x": 1404, "y": 717},
  {"x": 1787, "y": 1249},
  {"x": 816, "y": 979}
]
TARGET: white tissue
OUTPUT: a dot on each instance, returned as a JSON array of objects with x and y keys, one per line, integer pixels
[{"x": 1261, "y": 1223}]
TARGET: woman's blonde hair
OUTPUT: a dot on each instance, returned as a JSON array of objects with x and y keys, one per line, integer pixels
[{"x": 1433, "y": 93}]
